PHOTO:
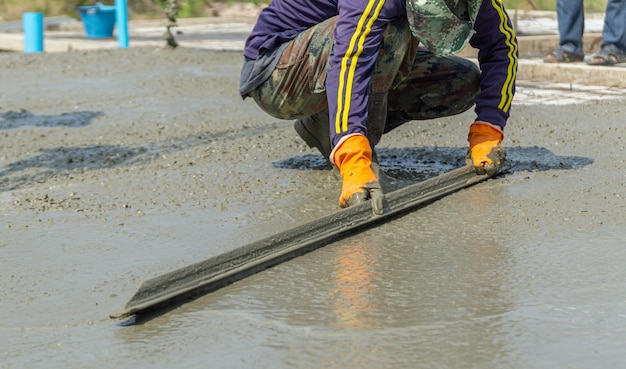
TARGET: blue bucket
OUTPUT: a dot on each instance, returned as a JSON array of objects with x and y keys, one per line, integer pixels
[{"x": 99, "y": 20}]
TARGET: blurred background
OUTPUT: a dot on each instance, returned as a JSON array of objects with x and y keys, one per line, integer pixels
[{"x": 11, "y": 10}]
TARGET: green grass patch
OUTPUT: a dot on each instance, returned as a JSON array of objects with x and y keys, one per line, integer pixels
[{"x": 591, "y": 6}]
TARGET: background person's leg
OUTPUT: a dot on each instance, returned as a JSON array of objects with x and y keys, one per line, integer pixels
[
  {"x": 614, "y": 30},
  {"x": 571, "y": 20},
  {"x": 613, "y": 49}
]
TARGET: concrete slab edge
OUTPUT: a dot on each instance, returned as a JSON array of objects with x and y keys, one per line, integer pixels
[{"x": 572, "y": 73}]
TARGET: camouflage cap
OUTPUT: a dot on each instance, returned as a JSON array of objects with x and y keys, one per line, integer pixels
[{"x": 443, "y": 26}]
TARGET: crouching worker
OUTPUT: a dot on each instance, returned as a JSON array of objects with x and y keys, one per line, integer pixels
[{"x": 349, "y": 71}]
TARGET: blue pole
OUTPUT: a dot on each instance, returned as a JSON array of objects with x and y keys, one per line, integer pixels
[
  {"x": 32, "y": 24},
  {"x": 121, "y": 11}
]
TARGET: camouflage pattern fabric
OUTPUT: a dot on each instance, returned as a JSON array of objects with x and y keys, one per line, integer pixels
[
  {"x": 443, "y": 26},
  {"x": 409, "y": 83},
  {"x": 296, "y": 88},
  {"x": 436, "y": 87}
]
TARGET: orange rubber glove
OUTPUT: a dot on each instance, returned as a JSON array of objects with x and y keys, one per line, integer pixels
[
  {"x": 353, "y": 158},
  {"x": 484, "y": 153}
]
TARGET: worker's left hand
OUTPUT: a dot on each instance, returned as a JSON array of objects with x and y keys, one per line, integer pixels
[{"x": 485, "y": 153}]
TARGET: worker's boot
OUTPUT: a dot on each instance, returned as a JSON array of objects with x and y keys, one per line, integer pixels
[{"x": 315, "y": 131}]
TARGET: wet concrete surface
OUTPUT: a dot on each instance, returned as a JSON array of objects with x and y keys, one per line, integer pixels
[{"x": 117, "y": 166}]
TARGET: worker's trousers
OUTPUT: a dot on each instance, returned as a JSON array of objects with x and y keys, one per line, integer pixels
[{"x": 409, "y": 82}]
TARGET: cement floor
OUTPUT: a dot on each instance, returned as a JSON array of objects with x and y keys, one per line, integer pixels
[{"x": 120, "y": 165}]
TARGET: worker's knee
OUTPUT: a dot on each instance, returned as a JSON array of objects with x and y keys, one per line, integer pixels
[{"x": 437, "y": 87}]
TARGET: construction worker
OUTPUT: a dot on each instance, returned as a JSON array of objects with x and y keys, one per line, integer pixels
[{"x": 349, "y": 71}]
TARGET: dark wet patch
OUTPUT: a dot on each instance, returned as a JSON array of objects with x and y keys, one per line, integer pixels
[
  {"x": 16, "y": 119},
  {"x": 419, "y": 163},
  {"x": 541, "y": 159},
  {"x": 64, "y": 160},
  {"x": 304, "y": 162}
]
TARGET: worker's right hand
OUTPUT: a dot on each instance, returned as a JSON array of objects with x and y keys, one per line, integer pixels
[
  {"x": 485, "y": 153},
  {"x": 353, "y": 158}
]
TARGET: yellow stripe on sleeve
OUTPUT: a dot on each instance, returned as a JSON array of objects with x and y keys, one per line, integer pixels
[
  {"x": 352, "y": 55},
  {"x": 509, "y": 33}
]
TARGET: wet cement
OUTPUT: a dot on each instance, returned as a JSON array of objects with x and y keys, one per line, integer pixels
[{"x": 117, "y": 166}]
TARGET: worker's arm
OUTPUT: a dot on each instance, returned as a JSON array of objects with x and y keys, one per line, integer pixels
[{"x": 498, "y": 55}]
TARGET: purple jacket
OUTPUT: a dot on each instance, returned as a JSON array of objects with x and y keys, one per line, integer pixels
[{"x": 495, "y": 39}]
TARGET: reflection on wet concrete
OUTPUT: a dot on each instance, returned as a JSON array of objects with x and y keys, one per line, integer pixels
[{"x": 354, "y": 294}]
